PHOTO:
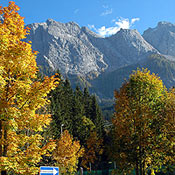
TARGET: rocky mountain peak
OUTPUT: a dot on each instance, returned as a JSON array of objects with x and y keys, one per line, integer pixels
[
  {"x": 128, "y": 32},
  {"x": 165, "y": 24},
  {"x": 131, "y": 45},
  {"x": 50, "y": 21},
  {"x": 66, "y": 47},
  {"x": 162, "y": 37}
]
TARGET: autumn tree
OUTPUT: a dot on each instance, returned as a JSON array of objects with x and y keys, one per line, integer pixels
[
  {"x": 169, "y": 128},
  {"x": 21, "y": 97},
  {"x": 139, "y": 123},
  {"x": 67, "y": 153},
  {"x": 93, "y": 149}
]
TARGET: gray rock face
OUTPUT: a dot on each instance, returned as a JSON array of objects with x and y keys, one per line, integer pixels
[
  {"x": 124, "y": 48},
  {"x": 162, "y": 38},
  {"x": 65, "y": 46},
  {"x": 75, "y": 50},
  {"x": 131, "y": 45}
]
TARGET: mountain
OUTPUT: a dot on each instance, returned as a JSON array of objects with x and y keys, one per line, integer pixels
[
  {"x": 123, "y": 48},
  {"x": 162, "y": 37},
  {"x": 79, "y": 51},
  {"x": 65, "y": 47},
  {"x": 101, "y": 63}
]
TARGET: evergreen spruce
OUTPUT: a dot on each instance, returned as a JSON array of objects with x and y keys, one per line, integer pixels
[
  {"x": 86, "y": 102},
  {"x": 61, "y": 107},
  {"x": 96, "y": 116},
  {"x": 77, "y": 111}
]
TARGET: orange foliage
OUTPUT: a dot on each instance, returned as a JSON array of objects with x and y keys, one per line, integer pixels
[
  {"x": 67, "y": 153},
  {"x": 93, "y": 149}
]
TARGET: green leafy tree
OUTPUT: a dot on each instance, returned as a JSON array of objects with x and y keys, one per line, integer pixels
[
  {"x": 169, "y": 128},
  {"x": 86, "y": 126}
]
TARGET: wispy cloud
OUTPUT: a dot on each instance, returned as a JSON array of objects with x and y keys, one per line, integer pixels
[
  {"x": 123, "y": 23},
  {"x": 107, "y": 10},
  {"x": 76, "y": 11}
]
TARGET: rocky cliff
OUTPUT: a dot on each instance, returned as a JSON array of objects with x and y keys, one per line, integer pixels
[
  {"x": 162, "y": 37},
  {"x": 75, "y": 50}
]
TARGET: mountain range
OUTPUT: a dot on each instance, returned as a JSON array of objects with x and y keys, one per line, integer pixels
[{"x": 101, "y": 63}]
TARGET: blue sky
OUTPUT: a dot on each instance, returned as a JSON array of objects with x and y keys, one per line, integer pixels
[{"x": 105, "y": 17}]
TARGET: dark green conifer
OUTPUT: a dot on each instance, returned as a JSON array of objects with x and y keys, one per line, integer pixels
[
  {"x": 77, "y": 111},
  {"x": 86, "y": 102},
  {"x": 61, "y": 107},
  {"x": 96, "y": 116}
]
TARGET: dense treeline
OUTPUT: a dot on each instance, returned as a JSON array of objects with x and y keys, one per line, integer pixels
[
  {"x": 70, "y": 107},
  {"x": 78, "y": 112}
]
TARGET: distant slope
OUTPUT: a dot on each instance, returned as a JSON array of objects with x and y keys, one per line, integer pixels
[
  {"x": 124, "y": 48},
  {"x": 106, "y": 83}
]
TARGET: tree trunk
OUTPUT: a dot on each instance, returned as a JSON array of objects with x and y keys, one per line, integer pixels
[
  {"x": 0, "y": 138},
  {"x": 4, "y": 153},
  {"x": 137, "y": 167},
  {"x": 143, "y": 166},
  {"x": 140, "y": 164},
  {"x": 3, "y": 172},
  {"x": 3, "y": 149}
]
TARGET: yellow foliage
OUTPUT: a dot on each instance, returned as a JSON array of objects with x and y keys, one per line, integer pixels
[
  {"x": 67, "y": 153},
  {"x": 139, "y": 122},
  {"x": 21, "y": 143}
]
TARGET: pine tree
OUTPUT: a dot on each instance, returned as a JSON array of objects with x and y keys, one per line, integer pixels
[
  {"x": 56, "y": 98},
  {"x": 77, "y": 111},
  {"x": 96, "y": 116},
  {"x": 86, "y": 102},
  {"x": 61, "y": 107}
]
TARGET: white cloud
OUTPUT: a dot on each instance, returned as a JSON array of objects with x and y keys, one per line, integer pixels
[
  {"x": 91, "y": 26},
  {"x": 134, "y": 20},
  {"x": 121, "y": 23},
  {"x": 103, "y": 31}
]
